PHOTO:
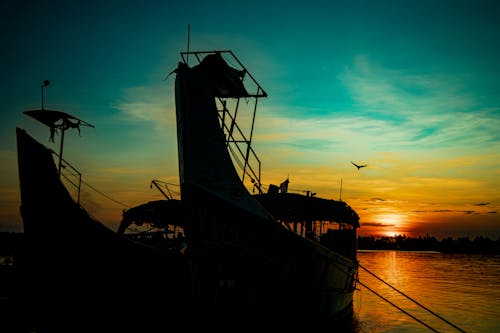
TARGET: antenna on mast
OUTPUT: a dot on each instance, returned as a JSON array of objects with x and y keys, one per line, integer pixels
[
  {"x": 56, "y": 120},
  {"x": 188, "y": 37},
  {"x": 340, "y": 195},
  {"x": 45, "y": 83}
]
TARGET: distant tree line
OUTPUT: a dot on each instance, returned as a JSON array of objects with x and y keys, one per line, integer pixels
[
  {"x": 12, "y": 243},
  {"x": 480, "y": 244}
]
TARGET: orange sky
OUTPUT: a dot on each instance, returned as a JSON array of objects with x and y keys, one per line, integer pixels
[{"x": 411, "y": 92}]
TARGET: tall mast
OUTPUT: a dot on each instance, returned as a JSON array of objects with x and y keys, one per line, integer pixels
[
  {"x": 188, "y": 37},
  {"x": 340, "y": 195},
  {"x": 56, "y": 120},
  {"x": 44, "y": 84}
]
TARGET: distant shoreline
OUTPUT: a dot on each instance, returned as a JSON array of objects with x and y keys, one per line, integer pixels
[
  {"x": 479, "y": 245},
  {"x": 12, "y": 243},
  {"x": 408, "y": 251}
]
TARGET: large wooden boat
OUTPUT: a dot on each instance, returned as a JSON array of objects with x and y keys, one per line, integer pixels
[{"x": 250, "y": 267}]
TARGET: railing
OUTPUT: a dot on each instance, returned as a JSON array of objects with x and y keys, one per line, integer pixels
[
  {"x": 70, "y": 174},
  {"x": 238, "y": 143},
  {"x": 240, "y": 147}
]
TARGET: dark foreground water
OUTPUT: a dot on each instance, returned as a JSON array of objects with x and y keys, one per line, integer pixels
[{"x": 463, "y": 289}]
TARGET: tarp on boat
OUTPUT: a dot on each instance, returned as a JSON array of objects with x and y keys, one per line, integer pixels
[
  {"x": 159, "y": 214},
  {"x": 51, "y": 118},
  {"x": 293, "y": 207},
  {"x": 228, "y": 81}
]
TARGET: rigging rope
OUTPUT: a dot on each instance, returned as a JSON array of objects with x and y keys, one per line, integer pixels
[
  {"x": 408, "y": 297},
  {"x": 67, "y": 164},
  {"x": 105, "y": 195}
]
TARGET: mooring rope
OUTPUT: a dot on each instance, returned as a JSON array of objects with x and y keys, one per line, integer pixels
[
  {"x": 399, "y": 308},
  {"x": 411, "y": 299}
]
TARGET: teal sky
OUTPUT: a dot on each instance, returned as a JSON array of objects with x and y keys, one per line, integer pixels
[{"x": 411, "y": 88}]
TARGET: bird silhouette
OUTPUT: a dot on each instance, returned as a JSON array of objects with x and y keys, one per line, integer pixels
[{"x": 359, "y": 166}]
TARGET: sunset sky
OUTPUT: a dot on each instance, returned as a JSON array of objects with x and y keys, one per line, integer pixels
[{"x": 410, "y": 88}]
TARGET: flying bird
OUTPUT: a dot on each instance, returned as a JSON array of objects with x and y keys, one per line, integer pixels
[{"x": 359, "y": 166}]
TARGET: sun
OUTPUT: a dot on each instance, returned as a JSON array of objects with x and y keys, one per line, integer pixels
[
  {"x": 389, "y": 218},
  {"x": 393, "y": 223}
]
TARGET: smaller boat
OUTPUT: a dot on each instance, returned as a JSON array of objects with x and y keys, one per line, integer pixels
[{"x": 76, "y": 274}]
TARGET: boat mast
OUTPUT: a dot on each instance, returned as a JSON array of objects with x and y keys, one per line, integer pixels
[
  {"x": 44, "y": 84},
  {"x": 56, "y": 120},
  {"x": 340, "y": 195},
  {"x": 61, "y": 150},
  {"x": 188, "y": 37}
]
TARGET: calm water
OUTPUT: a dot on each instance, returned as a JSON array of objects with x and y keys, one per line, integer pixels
[{"x": 464, "y": 289}]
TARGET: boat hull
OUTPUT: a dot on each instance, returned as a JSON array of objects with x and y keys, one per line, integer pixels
[{"x": 251, "y": 272}]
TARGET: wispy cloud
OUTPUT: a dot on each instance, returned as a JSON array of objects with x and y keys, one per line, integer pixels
[
  {"x": 149, "y": 103},
  {"x": 427, "y": 110},
  {"x": 376, "y": 224}
]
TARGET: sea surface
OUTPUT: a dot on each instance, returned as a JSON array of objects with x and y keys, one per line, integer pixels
[{"x": 463, "y": 289}]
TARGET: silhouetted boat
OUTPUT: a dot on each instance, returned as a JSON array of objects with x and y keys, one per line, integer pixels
[
  {"x": 76, "y": 274},
  {"x": 248, "y": 266},
  {"x": 251, "y": 259}
]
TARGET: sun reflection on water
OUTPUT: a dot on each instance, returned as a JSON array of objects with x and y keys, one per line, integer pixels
[{"x": 441, "y": 282}]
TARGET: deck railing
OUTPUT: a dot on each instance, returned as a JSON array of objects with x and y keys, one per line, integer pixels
[
  {"x": 71, "y": 175},
  {"x": 233, "y": 114}
]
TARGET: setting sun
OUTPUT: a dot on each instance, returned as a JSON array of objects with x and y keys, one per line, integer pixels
[
  {"x": 392, "y": 218},
  {"x": 392, "y": 223}
]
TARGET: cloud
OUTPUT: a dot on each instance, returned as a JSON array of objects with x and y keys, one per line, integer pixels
[
  {"x": 375, "y": 224},
  {"x": 427, "y": 110},
  {"x": 152, "y": 103},
  {"x": 398, "y": 93}
]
